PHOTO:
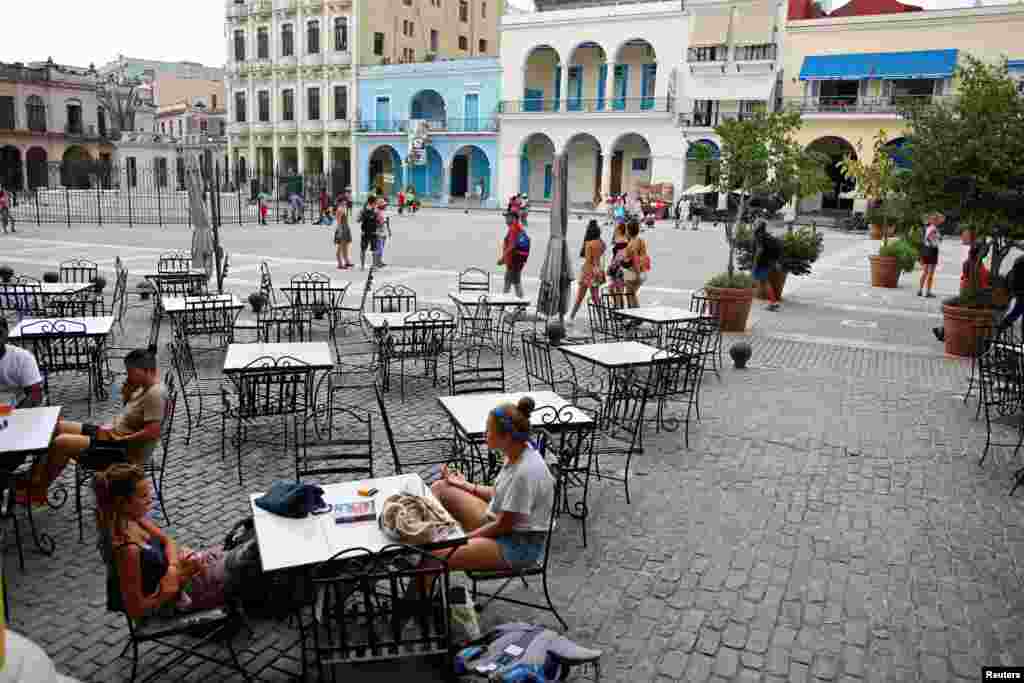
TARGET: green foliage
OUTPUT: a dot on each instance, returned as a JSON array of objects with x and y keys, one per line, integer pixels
[
  {"x": 875, "y": 180},
  {"x": 904, "y": 251},
  {"x": 801, "y": 247},
  {"x": 731, "y": 281},
  {"x": 874, "y": 216}
]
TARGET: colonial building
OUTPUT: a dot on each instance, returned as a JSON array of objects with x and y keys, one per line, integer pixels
[
  {"x": 850, "y": 75},
  {"x": 598, "y": 83},
  {"x": 432, "y": 126},
  {"x": 48, "y": 115},
  {"x": 290, "y": 71}
]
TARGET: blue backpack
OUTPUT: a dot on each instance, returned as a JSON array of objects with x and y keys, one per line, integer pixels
[{"x": 523, "y": 244}]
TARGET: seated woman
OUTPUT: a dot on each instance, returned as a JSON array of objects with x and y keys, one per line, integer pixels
[
  {"x": 506, "y": 524},
  {"x": 154, "y": 574}
]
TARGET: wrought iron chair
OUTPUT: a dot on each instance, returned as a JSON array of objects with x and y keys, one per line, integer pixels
[
  {"x": 474, "y": 280},
  {"x": 210, "y": 318},
  {"x": 24, "y": 297},
  {"x": 62, "y": 346},
  {"x": 425, "y": 337},
  {"x": 621, "y": 425},
  {"x": 394, "y": 299},
  {"x": 352, "y": 316},
  {"x": 174, "y": 286},
  {"x": 1001, "y": 391},
  {"x": 174, "y": 262},
  {"x": 74, "y": 303},
  {"x": 708, "y": 307},
  {"x": 469, "y": 372},
  {"x": 540, "y": 369},
  {"x": 197, "y": 628},
  {"x": 312, "y": 298},
  {"x": 118, "y": 300},
  {"x": 477, "y": 323},
  {"x": 364, "y": 611},
  {"x": 78, "y": 270},
  {"x": 351, "y": 453},
  {"x": 507, "y": 576},
  {"x": 604, "y": 325},
  {"x": 267, "y": 388},
  {"x": 676, "y": 377},
  {"x": 697, "y": 339},
  {"x": 278, "y": 319},
  {"x": 420, "y": 455},
  {"x": 569, "y": 450},
  {"x": 193, "y": 385},
  {"x": 101, "y": 454}
]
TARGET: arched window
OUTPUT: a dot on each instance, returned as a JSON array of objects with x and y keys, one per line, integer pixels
[
  {"x": 313, "y": 37},
  {"x": 35, "y": 109},
  {"x": 74, "y": 124}
]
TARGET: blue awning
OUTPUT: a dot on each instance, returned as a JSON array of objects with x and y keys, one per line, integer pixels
[{"x": 887, "y": 65}]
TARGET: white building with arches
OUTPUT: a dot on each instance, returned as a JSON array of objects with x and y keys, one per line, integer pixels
[{"x": 598, "y": 83}]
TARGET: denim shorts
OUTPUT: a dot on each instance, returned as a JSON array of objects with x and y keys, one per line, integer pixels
[
  {"x": 522, "y": 550},
  {"x": 761, "y": 273}
]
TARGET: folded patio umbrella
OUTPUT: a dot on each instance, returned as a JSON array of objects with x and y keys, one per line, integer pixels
[
  {"x": 556, "y": 273},
  {"x": 202, "y": 230}
]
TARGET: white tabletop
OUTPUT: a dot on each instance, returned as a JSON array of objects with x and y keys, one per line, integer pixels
[
  {"x": 657, "y": 314},
  {"x": 337, "y": 285},
  {"x": 49, "y": 288},
  {"x": 614, "y": 354},
  {"x": 397, "y": 321},
  {"x": 469, "y": 411},
  {"x": 29, "y": 430},
  {"x": 286, "y": 543},
  {"x": 315, "y": 354},
  {"x": 493, "y": 298},
  {"x": 191, "y": 274},
  {"x": 176, "y": 304},
  {"x": 94, "y": 326}
]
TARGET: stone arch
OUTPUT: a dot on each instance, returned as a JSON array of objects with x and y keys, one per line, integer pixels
[
  {"x": 468, "y": 168},
  {"x": 634, "y": 81},
  {"x": 10, "y": 168},
  {"x": 631, "y": 162},
  {"x": 587, "y": 77},
  {"x": 584, "y": 158},
  {"x": 430, "y": 105},
  {"x": 536, "y": 166},
  {"x": 76, "y": 167},
  {"x": 701, "y": 171},
  {"x": 384, "y": 160},
  {"x": 897, "y": 149},
  {"x": 542, "y": 79},
  {"x": 835, "y": 148},
  {"x": 428, "y": 179}
]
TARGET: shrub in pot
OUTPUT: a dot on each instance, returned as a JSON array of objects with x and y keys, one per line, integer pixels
[
  {"x": 894, "y": 257},
  {"x": 875, "y": 218},
  {"x": 734, "y": 295},
  {"x": 257, "y": 300},
  {"x": 50, "y": 276},
  {"x": 6, "y": 273}
]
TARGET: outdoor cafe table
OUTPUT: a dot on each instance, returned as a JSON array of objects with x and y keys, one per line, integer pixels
[
  {"x": 96, "y": 328},
  {"x": 398, "y": 321},
  {"x": 658, "y": 316},
  {"x": 468, "y": 414},
  {"x": 54, "y": 288},
  {"x": 465, "y": 301},
  {"x": 287, "y": 543},
  {"x": 614, "y": 355},
  {"x": 28, "y": 432},
  {"x": 176, "y": 304},
  {"x": 317, "y": 355}
]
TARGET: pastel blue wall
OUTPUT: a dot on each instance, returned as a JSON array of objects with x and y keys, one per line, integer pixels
[{"x": 452, "y": 80}]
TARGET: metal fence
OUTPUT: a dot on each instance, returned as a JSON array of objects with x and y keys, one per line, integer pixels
[{"x": 100, "y": 193}]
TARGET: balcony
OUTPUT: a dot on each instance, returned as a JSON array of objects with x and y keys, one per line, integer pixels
[
  {"x": 892, "y": 105},
  {"x": 710, "y": 119},
  {"x": 81, "y": 131},
  {"x": 453, "y": 125},
  {"x": 621, "y": 105},
  {"x": 708, "y": 54}
]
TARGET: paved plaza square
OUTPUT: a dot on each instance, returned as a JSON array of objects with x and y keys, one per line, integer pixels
[{"x": 829, "y": 521}]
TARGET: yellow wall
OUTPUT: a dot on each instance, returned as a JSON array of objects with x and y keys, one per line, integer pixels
[{"x": 853, "y": 131}]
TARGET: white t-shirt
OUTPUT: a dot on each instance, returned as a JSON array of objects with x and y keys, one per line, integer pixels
[
  {"x": 18, "y": 371},
  {"x": 526, "y": 488}
]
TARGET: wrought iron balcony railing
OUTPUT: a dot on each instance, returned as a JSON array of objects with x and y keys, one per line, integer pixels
[
  {"x": 705, "y": 119},
  {"x": 571, "y": 105},
  {"x": 480, "y": 124},
  {"x": 890, "y": 104}
]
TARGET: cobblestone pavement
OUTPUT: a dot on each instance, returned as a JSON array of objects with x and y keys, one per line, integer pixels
[{"x": 829, "y": 522}]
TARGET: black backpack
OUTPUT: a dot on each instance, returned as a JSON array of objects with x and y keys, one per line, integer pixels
[
  {"x": 1015, "y": 278},
  {"x": 368, "y": 221},
  {"x": 772, "y": 249},
  {"x": 270, "y": 594}
]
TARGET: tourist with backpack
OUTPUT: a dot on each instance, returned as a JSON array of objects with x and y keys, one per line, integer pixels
[
  {"x": 515, "y": 252},
  {"x": 367, "y": 228},
  {"x": 767, "y": 252},
  {"x": 636, "y": 263}
]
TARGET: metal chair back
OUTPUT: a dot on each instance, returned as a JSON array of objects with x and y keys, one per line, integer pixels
[
  {"x": 394, "y": 299},
  {"x": 209, "y": 318},
  {"x": 25, "y": 299},
  {"x": 474, "y": 280},
  {"x": 351, "y": 453},
  {"x": 78, "y": 270},
  {"x": 470, "y": 373},
  {"x": 311, "y": 292},
  {"x": 605, "y": 326},
  {"x": 270, "y": 386},
  {"x": 174, "y": 262}
]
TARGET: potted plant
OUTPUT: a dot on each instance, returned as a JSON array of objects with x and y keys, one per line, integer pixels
[
  {"x": 980, "y": 183},
  {"x": 145, "y": 289},
  {"x": 6, "y": 273},
  {"x": 875, "y": 218},
  {"x": 894, "y": 258},
  {"x": 98, "y": 283},
  {"x": 50, "y": 276},
  {"x": 257, "y": 300},
  {"x": 759, "y": 156}
]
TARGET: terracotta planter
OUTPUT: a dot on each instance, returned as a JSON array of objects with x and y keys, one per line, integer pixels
[
  {"x": 875, "y": 231},
  {"x": 733, "y": 307},
  {"x": 1000, "y": 296},
  {"x": 884, "y": 271},
  {"x": 963, "y": 326},
  {"x": 778, "y": 282},
  {"x": 967, "y": 237}
]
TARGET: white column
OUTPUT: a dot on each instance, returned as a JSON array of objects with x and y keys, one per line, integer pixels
[
  {"x": 354, "y": 33},
  {"x": 563, "y": 90}
]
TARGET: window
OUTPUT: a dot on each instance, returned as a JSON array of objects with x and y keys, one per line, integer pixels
[
  {"x": 341, "y": 34},
  {"x": 708, "y": 53},
  {"x": 340, "y": 102},
  {"x": 463, "y": 43},
  {"x": 407, "y": 3},
  {"x": 6, "y": 113},
  {"x": 204, "y": 126},
  {"x": 433, "y": 40},
  {"x": 160, "y": 170},
  {"x": 408, "y": 55},
  {"x": 287, "y": 41},
  {"x": 239, "y": 110},
  {"x": 463, "y": 10},
  {"x": 35, "y": 112},
  {"x": 640, "y": 163},
  {"x": 262, "y": 43},
  {"x": 223, "y": 127},
  {"x": 313, "y": 104},
  {"x": 483, "y": 46},
  {"x": 264, "y": 105},
  {"x": 747, "y": 53},
  {"x": 378, "y": 43},
  {"x": 243, "y": 115},
  {"x": 412, "y": 29},
  {"x": 288, "y": 105},
  {"x": 74, "y": 124},
  {"x": 313, "y": 37},
  {"x": 101, "y": 121},
  {"x": 239, "y": 46},
  {"x": 133, "y": 176}
]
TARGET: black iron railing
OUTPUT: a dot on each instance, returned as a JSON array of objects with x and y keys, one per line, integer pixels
[
  {"x": 571, "y": 105},
  {"x": 480, "y": 124},
  {"x": 889, "y": 104}
]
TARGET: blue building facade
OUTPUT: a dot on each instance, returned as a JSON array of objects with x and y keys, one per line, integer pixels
[{"x": 432, "y": 126}]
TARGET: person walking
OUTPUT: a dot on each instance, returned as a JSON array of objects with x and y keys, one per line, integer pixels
[
  {"x": 5, "y": 210},
  {"x": 616, "y": 273},
  {"x": 342, "y": 234},
  {"x": 592, "y": 273},
  {"x": 401, "y": 202},
  {"x": 383, "y": 233},
  {"x": 515, "y": 251},
  {"x": 325, "y": 205},
  {"x": 636, "y": 262},
  {"x": 767, "y": 252},
  {"x": 930, "y": 254},
  {"x": 367, "y": 229}
]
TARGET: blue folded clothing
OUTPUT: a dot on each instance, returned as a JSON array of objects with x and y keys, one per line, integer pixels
[{"x": 288, "y": 499}]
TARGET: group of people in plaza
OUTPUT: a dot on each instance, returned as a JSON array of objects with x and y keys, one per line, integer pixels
[{"x": 374, "y": 227}]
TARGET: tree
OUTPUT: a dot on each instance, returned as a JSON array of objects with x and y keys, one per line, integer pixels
[
  {"x": 759, "y": 155},
  {"x": 123, "y": 96},
  {"x": 877, "y": 179},
  {"x": 965, "y": 155}
]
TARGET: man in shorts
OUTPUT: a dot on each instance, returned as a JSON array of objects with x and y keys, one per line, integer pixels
[{"x": 767, "y": 252}]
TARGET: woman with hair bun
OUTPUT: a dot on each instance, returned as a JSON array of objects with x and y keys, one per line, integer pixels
[{"x": 506, "y": 524}]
